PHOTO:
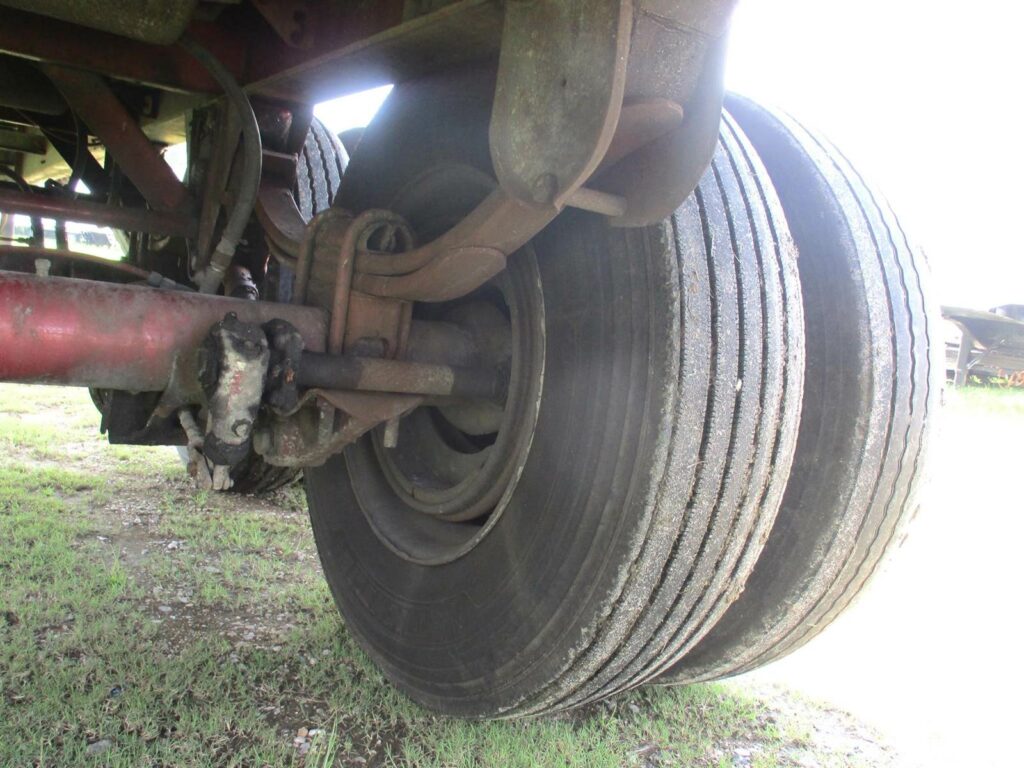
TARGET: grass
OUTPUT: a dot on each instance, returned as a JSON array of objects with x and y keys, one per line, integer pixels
[
  {"x": 195, "y": 629},
  {"x": 988, "y": 400}
]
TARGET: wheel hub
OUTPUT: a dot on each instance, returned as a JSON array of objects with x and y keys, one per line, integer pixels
[{"x": 455, "y": 463}]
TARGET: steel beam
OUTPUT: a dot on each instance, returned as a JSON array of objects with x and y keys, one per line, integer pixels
[
  {"x": 172, "y": 223},
  {"x": 35, "y": 37},
  {"x": 96, "y": 104},
  {"x": 22, "y": 142}
]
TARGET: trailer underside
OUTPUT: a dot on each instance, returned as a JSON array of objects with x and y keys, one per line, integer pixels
[
  {"x": 591, "y": 131},
  {"x": 535, "y": 339}
]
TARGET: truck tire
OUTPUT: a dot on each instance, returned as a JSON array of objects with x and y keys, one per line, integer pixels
[
  {"x": 319, "y": 169},
  {"x": 869, "y": 399},
  {"x": 653, "y": 406}
]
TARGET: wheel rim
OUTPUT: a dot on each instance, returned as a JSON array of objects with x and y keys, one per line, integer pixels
[{"x": 456, "y": 464}]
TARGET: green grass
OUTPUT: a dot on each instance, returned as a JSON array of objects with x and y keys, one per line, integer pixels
[
  {"x": 987, "y": 400},
  {"x": 125, "y": 600}
]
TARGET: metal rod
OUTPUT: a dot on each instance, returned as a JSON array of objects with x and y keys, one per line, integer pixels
[
  {"x": 73, "y": 256},
  {"x": 175, "y": 224},
  {"x": 342, "y": 290},
  {"x": 597, "y": 202},
  {"x": 377, "y": 375}
]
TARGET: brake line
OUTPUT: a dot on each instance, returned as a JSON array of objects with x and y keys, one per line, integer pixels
[{"x": 211, "y": 276}]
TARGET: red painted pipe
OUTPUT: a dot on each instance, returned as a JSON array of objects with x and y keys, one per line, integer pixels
[{"x": 56, "y": 330}]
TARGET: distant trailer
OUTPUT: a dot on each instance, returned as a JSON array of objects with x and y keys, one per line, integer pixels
[{"x": 991, "y": 343}]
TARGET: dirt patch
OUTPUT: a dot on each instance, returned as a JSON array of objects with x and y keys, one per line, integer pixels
[{"x": 822, "y": 728}]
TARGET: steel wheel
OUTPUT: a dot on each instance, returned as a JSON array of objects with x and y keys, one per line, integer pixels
[
  {"x": 446, "y": 483},
  {"x": 659, "y": 373}
]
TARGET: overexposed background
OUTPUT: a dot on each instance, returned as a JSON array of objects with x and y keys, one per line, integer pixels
[{"x": 923, "y": 95}]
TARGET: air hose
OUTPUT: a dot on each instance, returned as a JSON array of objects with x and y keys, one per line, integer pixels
[{"x": 211, "y": 276}]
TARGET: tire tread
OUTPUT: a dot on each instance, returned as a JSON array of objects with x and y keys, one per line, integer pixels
[{"x": 861, "y": 527}]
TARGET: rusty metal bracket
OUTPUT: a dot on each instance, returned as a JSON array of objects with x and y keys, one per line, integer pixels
[
  {"x": 462, "y": 259},
  {"x": 557, "y": 121},
  {"x": 91, "y": 98},
  {"x": 554, "y": 115},
  {"x": 641, "y": 121},
  {"x": 324, "y": 423},
  {"x": 656, "y": 178},
  {"x": 332, "y": 246},
  {"x": 346, "y": 395},
  {"x": 391, "y": 231},
  {"x": 476, "y": 248},
  {"x": 563, "y": 110}
]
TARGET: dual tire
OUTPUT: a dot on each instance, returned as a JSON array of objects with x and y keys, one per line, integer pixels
[
  {"x": 870, "y": 391},
  {"x": 654, "y": 413},
  {"x": 666, "y": 413}
]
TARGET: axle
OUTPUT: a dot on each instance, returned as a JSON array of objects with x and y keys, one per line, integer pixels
[
  {"x": 81, "y": 333},
  {"x": 132, "y": 338},
  {"x": 243, "y": 366},
  {"x": 399, "y": 376}
]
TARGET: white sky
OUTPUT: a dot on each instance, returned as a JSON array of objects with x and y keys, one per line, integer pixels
[
  {"x": 923, "y": 95},
  {"x": 351, "y": 111}
]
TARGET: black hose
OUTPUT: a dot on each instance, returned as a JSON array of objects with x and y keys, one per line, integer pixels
[
  {"x": 81, "y": 149},
  {"x": 210, "y": 278},
  {"x": 16, "y": 177}
]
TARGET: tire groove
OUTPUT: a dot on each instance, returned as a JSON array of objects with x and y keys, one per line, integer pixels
[
  {"x": 706, "y": 434},
  {"x": 758, "y": 537},
  {"x": 801, "y": 631},
  {"x": 729, "y": 482},
  {"x": 843, "y": 600},
  {"x": 894, "y": 405},
  {"x": 629, "y": 675},
  {"x": 894, "y": 427}
]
